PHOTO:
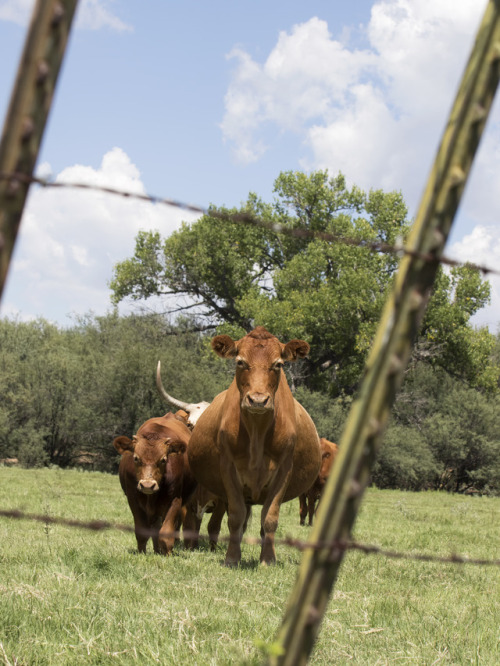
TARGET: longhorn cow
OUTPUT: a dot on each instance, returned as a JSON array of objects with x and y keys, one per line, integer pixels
[{"x": 193, "y": 409}]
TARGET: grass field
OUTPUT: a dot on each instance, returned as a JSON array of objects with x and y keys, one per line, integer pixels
[{"x": 71, "y": 596}]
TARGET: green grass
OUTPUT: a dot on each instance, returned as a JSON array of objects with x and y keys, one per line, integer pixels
[{"x": 71, "y": 596}]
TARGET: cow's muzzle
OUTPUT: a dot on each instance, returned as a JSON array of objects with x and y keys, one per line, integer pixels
[
  {"x": 148, "y": 486},
  {"x": 257, "y": 403}
]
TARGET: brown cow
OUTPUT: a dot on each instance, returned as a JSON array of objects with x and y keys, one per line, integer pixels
[
  {"x": 308, "y": 500},
  {"x": 155, "y": 476},
  {"x": 255, "y": 444}
]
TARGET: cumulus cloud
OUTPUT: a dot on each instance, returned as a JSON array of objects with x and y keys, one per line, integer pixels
[
  {"x": 482, "y": 247},
  {"x": 71, "y": 239},
  {"x": 91, "y": 14},
  {"x": 293, "y": 87},
  {"x": 375, "y": 113}
]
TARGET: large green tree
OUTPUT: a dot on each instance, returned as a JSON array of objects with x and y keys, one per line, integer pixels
[{"x": 237, "y": 275}]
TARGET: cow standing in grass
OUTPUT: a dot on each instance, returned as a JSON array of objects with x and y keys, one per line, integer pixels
[
  {"x": 308, "y": 500},
  {"x": 155, "y": 476},
  {"x": 255, "y": 444}
]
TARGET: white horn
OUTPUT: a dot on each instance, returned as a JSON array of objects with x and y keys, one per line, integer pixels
[
  {"x": 165, "y": 395},
  {"x": 194, "y": 409}
]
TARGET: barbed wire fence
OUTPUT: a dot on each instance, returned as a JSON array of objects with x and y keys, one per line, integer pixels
[
  {"x": 289, "y": 541},
  {"x": 421, "y": 256},
  {"x": 242, "y": 217}
]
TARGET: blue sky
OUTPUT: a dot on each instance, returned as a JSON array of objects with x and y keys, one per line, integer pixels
[{"x": 204, "y": 102}]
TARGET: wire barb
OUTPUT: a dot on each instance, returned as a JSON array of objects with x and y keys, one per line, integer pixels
[
  {"x": 334, "y": 547},
  {"x": 247, "y": 218}
]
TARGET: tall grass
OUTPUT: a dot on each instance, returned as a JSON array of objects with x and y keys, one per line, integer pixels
[{"x": 70, "y": 596}]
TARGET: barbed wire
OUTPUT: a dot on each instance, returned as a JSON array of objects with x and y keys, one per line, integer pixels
[
  {"x": 247, "y": 218},
  {"x": 292, "y": 542}
]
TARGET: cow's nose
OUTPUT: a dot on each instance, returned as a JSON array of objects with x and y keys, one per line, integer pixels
[
  {"x": 148, "y": 486},
  {"x": 258, "y": 400}
]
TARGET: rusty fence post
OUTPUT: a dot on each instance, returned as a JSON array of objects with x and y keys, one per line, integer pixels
[
  {"x": 391, "y": 349},
  {"x": 27, "y": 114}
]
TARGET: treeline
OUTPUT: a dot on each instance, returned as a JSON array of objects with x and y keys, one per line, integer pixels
[{"x": 66, "y": 393}]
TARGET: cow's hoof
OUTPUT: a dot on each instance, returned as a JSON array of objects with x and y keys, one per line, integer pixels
[{"x": 231, "y": 565}]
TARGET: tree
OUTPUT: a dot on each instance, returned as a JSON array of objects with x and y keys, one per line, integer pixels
[
  {"x": 240, "y": 275},
  {"x": 437, "y": 417}
]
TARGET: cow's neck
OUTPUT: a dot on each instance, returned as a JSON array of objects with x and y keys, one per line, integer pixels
[{"x": 258, "y": 428}]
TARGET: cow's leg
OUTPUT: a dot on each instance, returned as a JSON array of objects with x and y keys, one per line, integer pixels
[
  {"x": 312, "y": 509},
  {"x": 303, "y": 508},
  {"x": 191, "y": 526},
  {"x": 271, "y": 511},
  {"x": 249, "y": 515},
  {"x": 166, "y": 539},
  {"x": 236, "y": 513},
  {"x": 154, "y": 530},
  {"x": 215, "y": 522},
  {"x": 140, "y": 538},
  {"x": 141, "y": 529}
]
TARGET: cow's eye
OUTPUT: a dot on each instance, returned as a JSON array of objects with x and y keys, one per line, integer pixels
[
  {"x": 163, "y": 460},
  {"x": 278, "y": 365},
  {"x": 241, "y": 363},
  {"x": 136, "y": 458}
]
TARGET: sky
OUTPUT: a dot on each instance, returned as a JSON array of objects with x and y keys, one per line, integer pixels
[{"x": 205, "y": 102}]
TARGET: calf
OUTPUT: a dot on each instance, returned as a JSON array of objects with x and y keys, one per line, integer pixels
[
  {"x": 155, "y": 476},
  {"x": 308, "y": 500}
]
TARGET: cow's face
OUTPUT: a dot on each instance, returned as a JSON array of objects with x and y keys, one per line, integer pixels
[
  {"x": 259, "y": 362},
  {"x": 150, "y": 458},
  {"x": 328, "y": 453}
]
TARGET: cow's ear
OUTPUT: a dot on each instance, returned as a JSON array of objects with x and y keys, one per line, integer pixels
[
  {"x": 295, "y": 349},
  {"x": 182, "y": 416},
  {"x": 123, "y": 444},
  {"x": 176, "y": 447},
  {"x": 224, "y": 346}
]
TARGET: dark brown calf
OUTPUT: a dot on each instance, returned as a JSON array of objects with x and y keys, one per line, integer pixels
[
  {"x": 155, "y": 476},
  {"x": 308, "y": 500}
]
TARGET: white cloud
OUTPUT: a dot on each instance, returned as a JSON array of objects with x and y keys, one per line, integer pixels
[
  {"x": 70, "y": 239},
  {"x": 95, "y": 14},
  {"x": 296, "y": 85},
  {"x": 91, "y": 14},
  {"x": 377, "y": 113},
  {"x": 482, "y": 247},
  {"x": 17, "y": 11}
]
